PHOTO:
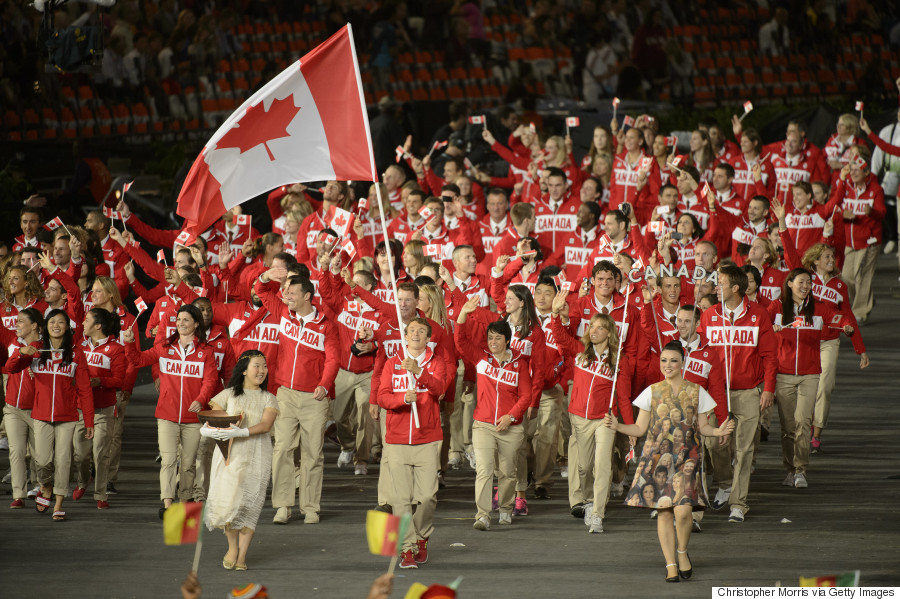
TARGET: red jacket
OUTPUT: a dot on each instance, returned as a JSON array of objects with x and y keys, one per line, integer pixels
[
  {"x": 351, "y": 314},
  {"x": 704, "y": 366},
  {"x": 400, "y": 426},
  {"x": 864, "y": 229},
  {"x": 789, "y": 171},
  {"x": 309, "y": 352},
  {"x": 747, "y": 346},
  {"x": 59, "y": 391},
  {"x": 744, "y": 185},
  {"x": 502, "y": 388},
  {"x": 105, "y": 361},
  {"x": 798, "y": 341},
  {"x": 184, "y": 377},
  {"x": 552, "y": 228},
  {"x": 835, "y": 294},
  {"x": 19, "y": 385},
  {"x": 593, "y": 382},
  {"x": 9, "y": 312},
  {"x": 737, "y": 230},
  {"x": 623, "y": 181}
]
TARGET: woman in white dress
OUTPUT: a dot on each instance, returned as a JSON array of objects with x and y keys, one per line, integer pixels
[{"x": 237, "y": 490}]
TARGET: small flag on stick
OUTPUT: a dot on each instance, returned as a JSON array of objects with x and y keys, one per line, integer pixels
[
  {"x": 182, "y": 522},
  {"x": 385, "y": 532},
  {"x": 748, "y": 106},
  {"x": 850, "y": 579}
]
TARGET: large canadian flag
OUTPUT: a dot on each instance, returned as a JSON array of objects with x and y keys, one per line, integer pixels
[{"x": 307, "y": 124}]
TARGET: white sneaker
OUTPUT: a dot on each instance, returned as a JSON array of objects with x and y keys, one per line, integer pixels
[
  {"x": 4, "y": 443},
  {"x": 889, "y": 247},
  {"x": 7, "y": 477},
  {"x": 361, "y": 469},
  {"x": 788, "y": 480},
  {"x": 505, "y": 518},
  {"x": 736, "y": 515},
  {"x": 470, "y": 455},
  {"x": 721, "y": 498},
  {"x": 282, "y": 515},
  {"x": 564, "y": 471},
  {"x": 596, "y": 524},
  {"x": 310, "y": 518},
  {"x": 800, "y": 481},
  {"x": 617, "y": 489},
  {"x": 345, "y": 459},
  {"x": 588, "y": 512},
  {"x": 482, "y": 523},
  {"x": 455, "y": 462}
]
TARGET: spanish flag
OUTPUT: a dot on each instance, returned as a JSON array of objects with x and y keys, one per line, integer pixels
[
  {"x": 850, "y": 579},
  {"x": 181, "y": 523},
  {"x": 385, "y": 532}
]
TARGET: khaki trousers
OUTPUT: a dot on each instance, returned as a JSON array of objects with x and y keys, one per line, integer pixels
[
  {"x": 461, "y": 419},
  {"x": 203, "y": 468},
  {"x": 301, "y": 420},
  {"x": 169, "y": 435},
  {"x": 53, "y": 454},
  {"x": 718, "y": 457},
  {"x": 829, "y": 353},
  {"x": 495, "y": 451},
  {"x": 96, "y": 448},
  {"x": 541, "y": 434},
  {"x": 745, "y": 407},
  {"x": 415, "y": 483},
  {"x": 355, "y": 427},
  {"x": 859, "y": 268},
  {"x": 115, "y": 445},
  {"x": 385, "y": 484},
  {"x": 20, "y": 431},
  {"x": 796, "y": 397},
  {"x": 594, "y": 439},
  {"x": 576, "y": 485}
]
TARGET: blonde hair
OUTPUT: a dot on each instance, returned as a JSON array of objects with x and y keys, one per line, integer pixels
[
  {"x": 771, "y": 255},
  {"x": 366, "y": 263},
  {"x": 561, "y": 155},
  {"x": 414, "y": 248},
  {"x": 438, "y": 310},
  {"x": 110, "y": 289},
  {"x": 589, "y": 354},
  {"x": 813, "y": 254},
  {"x": 33, "y": 289},
  {"x": 849, "y": 120}
]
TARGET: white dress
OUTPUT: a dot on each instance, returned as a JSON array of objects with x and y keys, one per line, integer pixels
[{"x": 237, "y": 491}]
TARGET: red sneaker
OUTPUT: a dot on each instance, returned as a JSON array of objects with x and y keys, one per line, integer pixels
[
  {"x": 422, "y": 554},
  {"x": 16, "y": 504},
  {"x": 102, "y": 505},
  {"x": 78, "y": 493},
  {"x": 407, "y": 560}
]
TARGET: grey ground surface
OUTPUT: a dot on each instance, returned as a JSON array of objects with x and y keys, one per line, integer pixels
[{"x": 847, "y": 519}]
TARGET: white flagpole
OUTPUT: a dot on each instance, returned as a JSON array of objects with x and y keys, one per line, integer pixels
[
  {"x": 387, "y": 245},
  {"x": 612, "y": 394}
]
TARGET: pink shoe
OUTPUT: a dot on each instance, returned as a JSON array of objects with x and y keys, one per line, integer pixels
[{"x": 521, "y": 508}]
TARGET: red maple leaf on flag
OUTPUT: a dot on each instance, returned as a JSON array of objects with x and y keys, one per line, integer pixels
[{"x": 261, "y": 126}]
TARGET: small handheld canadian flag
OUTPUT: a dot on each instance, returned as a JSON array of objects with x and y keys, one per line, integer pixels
[
  {"x": 615, "y": 102},
  {"x": 676, "y": 161},
  {"x": 561, "y": 282},
  {"x": 573, "y": 121},
  {"x": 140, "y": 304},
  {"x": 426, "y": 213},
  {"x": 161, "y": 257},
  {"x": 338, "y": 219},
  {"x": 798, "y": 322},
  {"x": 126, "y": 187},
  {"x": 532, "y": 127},
  {"x": 242, "y": 219},
  {"x": 401, "y": 153},
  {"x": 628, "y": 121},
  {"x": 478, "y": 120},
  {"x": 354, "y": 306},
  {"x": 433, "y": 250},
  {"x": 363, "y": 205},
  {"x": 671, "y": 141},
  {"x": 638, "y": 264},
  {"x": 646, "y": 163},
  {"x": 348, "y": 248},
  {"x": 468, "y": 163},
  {"x": 53, "y": 224},
  {"x": 859, "y": 106},
  {"x": 185, "y": 238},
  {"x": 858, "y": 161},
  {"x": 604, "y": 241},
  {"x": 437, "y": 146},
  {"x": 111, "y": 214}
]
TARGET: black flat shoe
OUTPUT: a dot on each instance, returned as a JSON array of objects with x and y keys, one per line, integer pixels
[
  {"x": 685, "y": 574},
  {"x": 672, "y": 578},
  {"x": 162, "y": 512}
]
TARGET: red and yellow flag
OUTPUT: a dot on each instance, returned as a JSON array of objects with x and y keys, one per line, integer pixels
[
  {"x": 385, "y": 532},
  {"x": 850, "y": 579},
  {"x": 182, "y": 522}
]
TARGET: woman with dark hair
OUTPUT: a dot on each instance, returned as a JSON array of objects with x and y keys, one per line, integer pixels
[
  {"x": 62, "y": 387},
  {"x": 504, "y": 394},
  {"x": 19, "y": 403},
  {"x": 702, "y": 155},
  {"x": 800, "y": 321},
  {"x": 187, "y": 377},
  {"x": 524, "y": 268},
  {"x": 382, "y": 269},
  {"x": 674, "y": 504},
  {"x": 237, "y": 488}
]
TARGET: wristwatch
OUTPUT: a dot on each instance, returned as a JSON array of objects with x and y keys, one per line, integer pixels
[{"x": 512, "y": 418}]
